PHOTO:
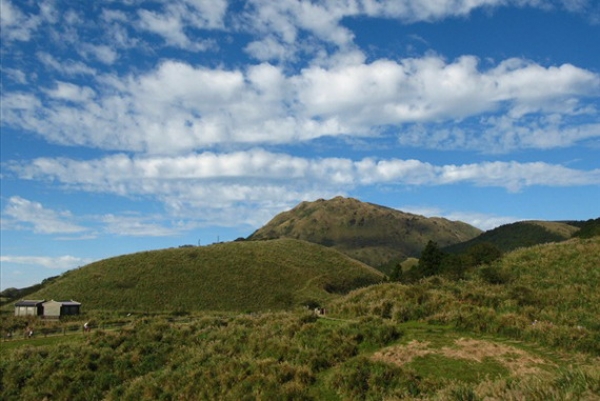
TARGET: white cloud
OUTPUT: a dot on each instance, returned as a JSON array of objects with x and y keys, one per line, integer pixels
[
  {"x": 138, "y": 226},
  {"x": 50, "y": 262},
  {"x": 280, "y": 24},
  {"x": 70, "y": 92},
  {"x": 504, "y": 133},
  {"x": 234, "y": 176},
  {"x": 15, "y": 75},
  {"x": 102, "y": 53},
  {"x": 68, "y": 67},
  {"x": 176, "y": 18},
  {"x": 429, "y": 89},
  {"x": 22, "y": 212},
  {"x": 248, "y": 188},
  {"x": 269, "y": 48},
  {"x": 15, "y": 24},
  {"x": 425, "y": 10},
  {"x": 482, "y": 221},
  {"x": 177, "y": 107}
]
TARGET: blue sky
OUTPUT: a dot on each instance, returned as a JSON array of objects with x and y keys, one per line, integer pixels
[{"x": 134, "y": 125}]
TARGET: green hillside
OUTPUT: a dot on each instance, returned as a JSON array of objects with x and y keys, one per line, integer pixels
[
  {"x": 517, "y": 235},
  {"x": 545, "y": 293},
  {"x": 235, "y": 276},
  {"x": 534, "y": 336},
  {"x": 589, "y": 228},
  {"x": 373, "y": 234}
]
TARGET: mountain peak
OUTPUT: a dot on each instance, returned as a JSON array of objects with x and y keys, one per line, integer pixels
[{"x": 371, "y": 233}]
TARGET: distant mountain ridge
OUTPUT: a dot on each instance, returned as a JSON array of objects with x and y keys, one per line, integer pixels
[
  {"x": 373, "y": 234},
  {"x": 520, "y": 234}
]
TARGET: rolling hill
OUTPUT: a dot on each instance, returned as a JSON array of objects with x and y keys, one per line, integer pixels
[
  {"x": 373, "y": 234},
  {"x": 547, "y": 294},
  {"x": 234, "y": 276},
  {"x": 520, "y": 234}
]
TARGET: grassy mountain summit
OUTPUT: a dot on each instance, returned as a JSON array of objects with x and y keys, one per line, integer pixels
[
  {"x": 234, "y": 276},
  {"x": 364, "y": 231}
]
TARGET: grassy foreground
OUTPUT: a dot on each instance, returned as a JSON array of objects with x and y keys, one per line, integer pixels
[
  {"x": 291, "y": 356},
  {"x": 524, "y": 328}
]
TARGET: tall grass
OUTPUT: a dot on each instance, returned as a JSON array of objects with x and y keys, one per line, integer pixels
[
  {"x": 551, "y": 297},
  {"x": 267, "y": 356}
]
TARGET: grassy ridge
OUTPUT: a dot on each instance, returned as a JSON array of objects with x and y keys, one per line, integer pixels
[
  {"x": 236, "y": 276},
  {"x": 521, "y": 234}
]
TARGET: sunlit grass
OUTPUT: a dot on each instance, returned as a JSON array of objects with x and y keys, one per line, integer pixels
[{"x": 238, "y": 276}]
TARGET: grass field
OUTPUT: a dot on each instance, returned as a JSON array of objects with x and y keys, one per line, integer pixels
[{"x": 524, "y": 328}]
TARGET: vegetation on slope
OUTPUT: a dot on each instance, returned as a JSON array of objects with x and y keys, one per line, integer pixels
[
  {"x": 289, "y": 356},
  {"x": 589, "y": 229},
  {"x": 547, "y": 294},
  {"x": 373, "y": 234},
  {"x": 534, "y": 334},
  {"x": 235, "y": 276},
  {"x": 521, "y": 234}
]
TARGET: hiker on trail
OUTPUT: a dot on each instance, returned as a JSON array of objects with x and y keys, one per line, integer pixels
[
  {"x": 29, "y": 332},
  {"x": 86, "y": 327}
]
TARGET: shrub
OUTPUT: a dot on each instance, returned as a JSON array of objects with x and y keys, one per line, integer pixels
[{"x": 494, "y": 275}]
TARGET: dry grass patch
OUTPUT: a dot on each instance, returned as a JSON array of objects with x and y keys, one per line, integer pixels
[
  {"x": 403, "y": 354},
  {"x": 517, "y": 361}
]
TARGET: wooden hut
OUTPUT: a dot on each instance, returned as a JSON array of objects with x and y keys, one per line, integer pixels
[
  {"x": 55, "y": 309},
  {"x": 29, "y": 307}
]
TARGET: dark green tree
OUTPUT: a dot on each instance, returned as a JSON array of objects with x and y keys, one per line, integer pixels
[
  {"x": 589, "y": 229},
  {"x": 430, "y": 262},
  {"x": 454, "y": 266},
  {"x": 483, "y": 253},
  {"x": 396, "y": 274}
]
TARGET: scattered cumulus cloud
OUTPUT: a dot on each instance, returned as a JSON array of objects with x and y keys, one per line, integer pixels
[
  {"x": 41, "y": 220},
  {"x": 138, "y": 226},
  {"x": 23, "y": 214},
  {"x": 258, "y": 175},
  {"x": 177, "y": 107},
  {"x": 68, "y": 67},
  {"x": 175, "y": 19},
  {"x": 50, "y": 262},
  {"x": 16, "y": 25}
]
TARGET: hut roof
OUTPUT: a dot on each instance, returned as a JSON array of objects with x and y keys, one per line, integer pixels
[
  {"x": 70, "y": 303},
  {"x": 29, "y": 302},
  {"x": 66, "y": 303}
]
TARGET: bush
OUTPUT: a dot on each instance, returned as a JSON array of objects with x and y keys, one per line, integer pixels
[{"x": 494, "y": 275}]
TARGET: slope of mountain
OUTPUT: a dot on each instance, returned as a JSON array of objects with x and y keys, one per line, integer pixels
[
  {"x": 234, "y": 276},
  {"x": 373, "y": 234},
  {"x": 518, "y": 235},
  {"x": 547, "y": 294},
  {"x": 588, "y": 229}
]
